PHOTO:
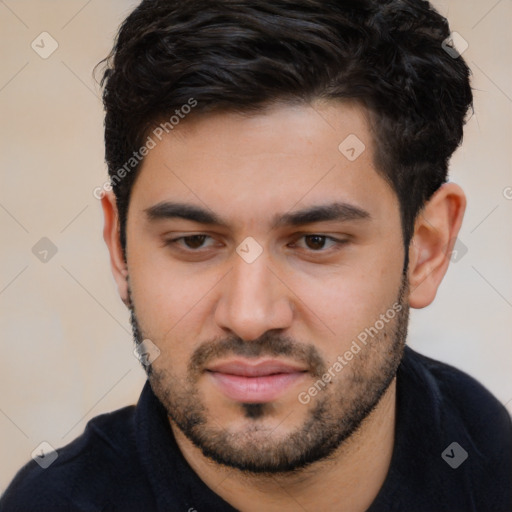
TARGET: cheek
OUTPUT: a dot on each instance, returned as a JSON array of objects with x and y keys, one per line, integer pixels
[
  {"x": 161, "y": 293},
  {"x": 165, "y": 302},
  {"x": 347, "y": 301},
  {"x": 172, "y": 308}
]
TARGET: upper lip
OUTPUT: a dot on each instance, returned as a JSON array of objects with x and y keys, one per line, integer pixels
[{"x": 251, "y": 369}]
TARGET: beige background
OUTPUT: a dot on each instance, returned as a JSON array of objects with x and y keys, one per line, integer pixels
[{"x": 66, "y": 341}]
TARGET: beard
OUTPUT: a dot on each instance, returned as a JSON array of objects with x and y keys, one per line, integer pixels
[{"x": 333, "y": 416}]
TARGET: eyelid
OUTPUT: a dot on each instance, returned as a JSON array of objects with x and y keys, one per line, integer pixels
[
  {"x": 175, "y": 241},
  {"x": 336, "y": 242}
]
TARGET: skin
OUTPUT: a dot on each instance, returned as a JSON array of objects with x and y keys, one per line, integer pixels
[{"x": 247, "y": 170}]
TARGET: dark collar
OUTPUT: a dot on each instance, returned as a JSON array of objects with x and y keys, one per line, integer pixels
[{"x": 427, "y": 422}]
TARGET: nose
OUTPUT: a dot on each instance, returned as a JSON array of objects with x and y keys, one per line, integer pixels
[{"x": 253, "y": 300}]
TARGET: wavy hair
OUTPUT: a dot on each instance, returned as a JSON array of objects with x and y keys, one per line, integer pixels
[{"x": 244, "y": 55}]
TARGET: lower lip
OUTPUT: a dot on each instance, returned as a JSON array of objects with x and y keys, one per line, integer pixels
[{"x": 255, "y": 389}]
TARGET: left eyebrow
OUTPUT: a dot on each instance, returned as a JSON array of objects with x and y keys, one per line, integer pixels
[
  {"x": 341, "y": 212},
  {"x": 336, "y": 211}
]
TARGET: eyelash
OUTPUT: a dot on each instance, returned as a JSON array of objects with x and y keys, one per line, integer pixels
[{"x": 176, "y": 242}]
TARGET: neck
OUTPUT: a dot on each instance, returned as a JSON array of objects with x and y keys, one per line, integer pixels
[{"x": 352, "y": 476}]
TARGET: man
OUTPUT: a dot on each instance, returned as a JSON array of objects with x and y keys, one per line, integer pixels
[{"x": 278, "y": 202}]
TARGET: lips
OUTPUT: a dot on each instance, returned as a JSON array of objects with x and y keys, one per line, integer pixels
[{"x": 260, "y": 382}]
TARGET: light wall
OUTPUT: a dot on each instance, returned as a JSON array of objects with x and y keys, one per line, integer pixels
[{"x": 66, "y": 340}]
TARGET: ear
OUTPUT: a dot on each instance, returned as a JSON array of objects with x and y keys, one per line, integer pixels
[
  {"x": 111, "y": 235},
  {"x": 435, "y": 233}
]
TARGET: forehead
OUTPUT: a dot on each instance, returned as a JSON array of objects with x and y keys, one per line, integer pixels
[
  {"x": 281, "y": 128},
  {"x": 260, "y": 164}
]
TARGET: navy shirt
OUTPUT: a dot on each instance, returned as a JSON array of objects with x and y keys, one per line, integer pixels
[{"x": 128, "y": 460}]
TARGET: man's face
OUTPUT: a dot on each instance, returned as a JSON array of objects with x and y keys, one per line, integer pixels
[{"x": 248, "y": 329}]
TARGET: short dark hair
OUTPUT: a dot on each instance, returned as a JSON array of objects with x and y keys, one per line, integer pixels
[{"x": 245, "y": 55}]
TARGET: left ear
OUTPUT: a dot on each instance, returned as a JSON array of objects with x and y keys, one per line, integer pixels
[{"x": 435, "y": 233}]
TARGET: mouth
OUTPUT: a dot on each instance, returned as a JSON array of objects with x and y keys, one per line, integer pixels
[{"x": 249, "y": 382}]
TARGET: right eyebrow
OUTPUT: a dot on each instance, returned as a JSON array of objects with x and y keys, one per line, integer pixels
[{"x": 169, "y": 210}]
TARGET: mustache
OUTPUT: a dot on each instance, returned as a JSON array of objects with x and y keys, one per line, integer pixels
[{"x": 269, "y": 344}]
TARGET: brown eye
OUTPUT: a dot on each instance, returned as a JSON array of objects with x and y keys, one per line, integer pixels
[
  {"x": 194, "y": 242},
  {"x": 322, "y": 244},
  {"x": 315, "y": 242}
]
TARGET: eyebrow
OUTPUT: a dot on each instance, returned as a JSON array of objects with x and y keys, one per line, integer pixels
[{"x": 336, "y": 211}]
